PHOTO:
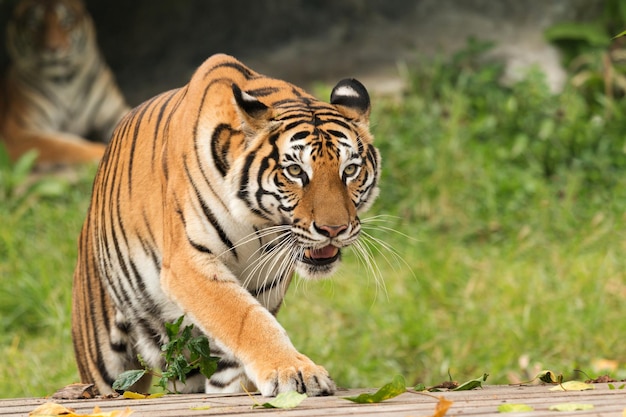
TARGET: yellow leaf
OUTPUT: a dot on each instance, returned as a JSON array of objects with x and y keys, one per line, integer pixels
[
  {"x": 549, "y": 377},
  {"x": 53, "y": 409},
  {"x": 137, "y": 396},
  {"x": 572, "y": 386},
  {"x": 50, "y": 409},
  {"x": 442, "y": 407},
  {"x": 514, "y": 408},
  {"x": 200, "y": 407},
  {"x": 134, "y": 395}
]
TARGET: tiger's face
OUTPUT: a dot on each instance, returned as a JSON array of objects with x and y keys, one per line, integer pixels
[
  {"x": 49, "y": 37},
  {"x": 315, "y": 171}
]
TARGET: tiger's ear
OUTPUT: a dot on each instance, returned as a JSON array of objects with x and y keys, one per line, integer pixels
[
  {"x": 254, "y": 113},
  {"x": 352, "y": 100}
]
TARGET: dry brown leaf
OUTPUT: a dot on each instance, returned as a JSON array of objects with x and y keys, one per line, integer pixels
[
  {"x": 76, "y": 392},
  {"x": 442, "y": 407}
]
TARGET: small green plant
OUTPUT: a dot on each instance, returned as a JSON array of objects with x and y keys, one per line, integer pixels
[
  {"x": 19, "y": 190},
  {"x": 183, "y": 353}
]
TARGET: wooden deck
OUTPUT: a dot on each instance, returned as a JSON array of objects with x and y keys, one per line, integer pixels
[{"x": 479, "y": 402}]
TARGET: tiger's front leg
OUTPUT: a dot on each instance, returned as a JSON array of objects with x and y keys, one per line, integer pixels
[{"x": 211, "y": 296}]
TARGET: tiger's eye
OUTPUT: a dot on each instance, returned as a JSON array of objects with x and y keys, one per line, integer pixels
[
  {"x": 294, "y": 170},
  {"x": 350, "y": 170}
]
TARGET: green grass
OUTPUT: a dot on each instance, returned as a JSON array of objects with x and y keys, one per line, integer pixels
[{"x": 511, "y": 208}]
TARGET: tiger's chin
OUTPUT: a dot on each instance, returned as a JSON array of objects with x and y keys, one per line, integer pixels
[{"x": 319, "y": 263}]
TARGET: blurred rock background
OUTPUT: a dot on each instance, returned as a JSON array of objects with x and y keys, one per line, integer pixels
[{"x": 155, "y": 45}]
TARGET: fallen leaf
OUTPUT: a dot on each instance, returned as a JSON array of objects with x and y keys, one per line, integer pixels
[
  {"x": 549, "y": 377},
  {"x": 514, "y": 408},
  {"x": 137, "y": 396},
  {"x": 387, "y": 391},
  {"x": 602, "y": 379},
  {"x": 572, "y": 386},
  {"x": 420, "y": 387},
  {"x": 200, "y": 408},
  {"x": 442, "y": 407},
  {"x": 570, "y": 407},
  {"x": 449, "y": 385},
  {"x": 474, "y": 383},
  {"x": 53, "y": 409},
  {"x": 289, "y": 399},
  {"x": 76, "y": 392}
]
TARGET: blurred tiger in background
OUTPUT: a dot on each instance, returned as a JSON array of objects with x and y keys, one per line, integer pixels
[{"x": 58, "y": 90}]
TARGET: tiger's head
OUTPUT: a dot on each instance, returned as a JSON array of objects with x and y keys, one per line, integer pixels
[
  {"x": 309, "y": 168},
  {"x": 50, "y": 37}
]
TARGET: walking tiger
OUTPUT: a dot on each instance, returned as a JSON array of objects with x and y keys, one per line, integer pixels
[{"x": 207, "y": 200}]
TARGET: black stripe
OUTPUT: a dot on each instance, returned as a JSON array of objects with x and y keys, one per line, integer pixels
[
  {"x": 133, "y": 145},
  {"x": 263, "y": 92},
  {"x": 236, "y": 66},
  {"x": 198, "y": 247},
  {"x": 208, "y": 213},
  {"x": 219, "y": 155}
]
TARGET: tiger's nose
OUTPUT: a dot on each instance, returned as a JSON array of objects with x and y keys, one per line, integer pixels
[{"x": 330, "y": 230}]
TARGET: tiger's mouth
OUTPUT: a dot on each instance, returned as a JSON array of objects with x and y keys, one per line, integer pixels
[{"x": 321, "y": 256}]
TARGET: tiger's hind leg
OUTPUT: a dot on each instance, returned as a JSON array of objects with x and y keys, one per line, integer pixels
[{"x": 102, "y": 344}]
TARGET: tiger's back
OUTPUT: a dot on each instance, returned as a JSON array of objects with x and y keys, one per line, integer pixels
[
  {"x": 206, "y": 201},
  {"x": 58, "y": 91}
]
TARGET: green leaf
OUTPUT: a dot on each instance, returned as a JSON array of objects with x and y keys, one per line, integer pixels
[
  {"x": 420, "y": 387},
  {"x": 570, "y": 407},
  {"x": 127, "y": 378},
  {"x": 51, "y": 187},
  {"x": 185, "y": 336},
  {"x": 178, "y": 369},
  {"x": 208, "y": 366},
  {"x": 199, "y": 347},
  {"x": 172, "y": 329},
  {"x": 619, "y": 35},
  {"x": 472, "y": 384},
  {"x": 592, "y": 34},
  {"x": 387, "y": 391},
  {"x": 514, "y": 408},
  {"x": 289, "y": 399},
  {"x": 24, "y": 165}
]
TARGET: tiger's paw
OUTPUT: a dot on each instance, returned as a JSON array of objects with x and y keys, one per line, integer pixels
[{"x": 304, "y": 377}]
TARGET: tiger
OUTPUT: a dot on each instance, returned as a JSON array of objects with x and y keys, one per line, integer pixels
[
  {"x": 208, "y": 199},
  {"x": 58, "y": 88}
]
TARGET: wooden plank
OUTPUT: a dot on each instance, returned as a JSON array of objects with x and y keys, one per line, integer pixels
[{"x": 480, "y": 402}]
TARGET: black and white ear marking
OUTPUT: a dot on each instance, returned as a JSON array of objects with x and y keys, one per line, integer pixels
[
  {"x": 249, "y": 104},
  {"x": 352, "y": 94}
]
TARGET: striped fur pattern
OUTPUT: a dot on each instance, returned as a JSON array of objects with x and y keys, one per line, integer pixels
[
  {"x": 58, "y": 90},
  {"x": 207, "y": 200}
]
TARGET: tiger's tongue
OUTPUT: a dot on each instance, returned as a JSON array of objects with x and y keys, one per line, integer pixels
[{"x": 323, "y": 253}]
